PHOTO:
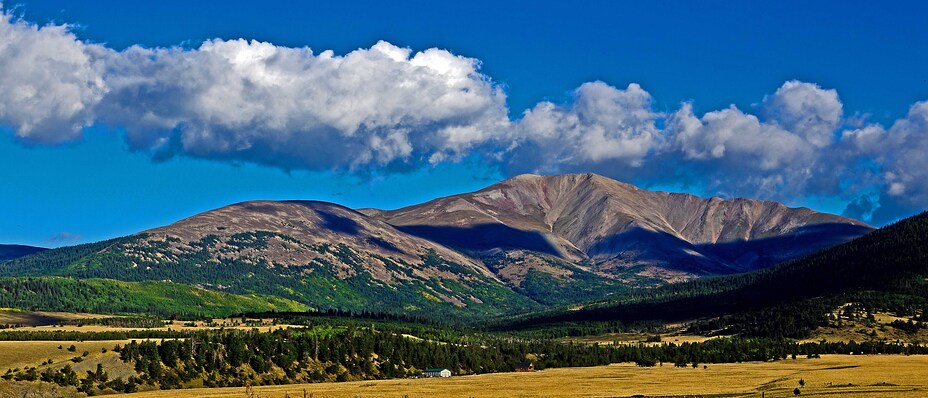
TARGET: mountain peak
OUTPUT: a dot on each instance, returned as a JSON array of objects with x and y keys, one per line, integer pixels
[
  {"x": 591, "y": 217},
  {"x": 563, "y": 181}
]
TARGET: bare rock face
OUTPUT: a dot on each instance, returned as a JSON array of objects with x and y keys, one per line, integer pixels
[{"x": 621, "y": 229}]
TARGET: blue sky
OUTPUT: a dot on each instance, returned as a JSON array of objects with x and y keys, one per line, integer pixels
[{"x": 114, "y": 176}]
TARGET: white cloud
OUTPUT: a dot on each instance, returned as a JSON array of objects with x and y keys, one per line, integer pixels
[
  {"x": 293, "y": 108},
  {"x": 865, "y": 140},
  {"x": 807, "y": 110},
  {"x": 738, "y": 138},
  {"x": 900, "y": 156},
  {"x": 905, "y": 156},
  {"x": 735, "y": 152},
  {"x": 602, "y": 124},
  {"x": 48, "y": 83}
]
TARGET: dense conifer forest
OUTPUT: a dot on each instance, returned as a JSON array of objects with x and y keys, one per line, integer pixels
[{"x": 105, "y": 296}]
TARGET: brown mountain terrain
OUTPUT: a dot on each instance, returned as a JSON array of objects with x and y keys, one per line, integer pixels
[
  {"x": 525, "y": 241},
  {"x": 317, "y": 253},
  {"x": 300, "y": 229},
  {"x": 615, "y": 229}
]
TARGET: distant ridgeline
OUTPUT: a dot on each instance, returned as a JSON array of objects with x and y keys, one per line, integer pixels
[{"x": 12, "y": 252}]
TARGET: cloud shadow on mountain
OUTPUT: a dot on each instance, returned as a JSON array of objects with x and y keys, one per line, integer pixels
[
  {"x": 761, "y": 253},
  {"x": 677, "y": 254}
]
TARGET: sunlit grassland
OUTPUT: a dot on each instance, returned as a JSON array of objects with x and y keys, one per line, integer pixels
[
  {"x": 843, "y": 375},
  {"x": 20, "y": 354}
]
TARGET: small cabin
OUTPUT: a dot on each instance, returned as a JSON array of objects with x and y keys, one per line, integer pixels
[
  {"x": 436, "y": 372},
  {"x": 525, "y": 367}
]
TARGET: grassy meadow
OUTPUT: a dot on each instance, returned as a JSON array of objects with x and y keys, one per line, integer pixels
[
  {"x": 831, "y": 375},
  {"x": 20, "y": 354}
]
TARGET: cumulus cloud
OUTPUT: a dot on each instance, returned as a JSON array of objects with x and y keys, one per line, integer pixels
[
  {"x": 601, "y": 124},
  {"x": 792, "y": 149},
  {"x": 901, "y": 152},
  {"x": 49, "y": 83},
  {"x": 387, "y": 108},
  {"x": 249, "y": 100},
  {"x": 294, "y": 108},
  {"x": 780, "y": 154},
  {"x": 739, "y": 139},
  {"x": 738, "y": 152},
  {"x": 806, "y": 110}
]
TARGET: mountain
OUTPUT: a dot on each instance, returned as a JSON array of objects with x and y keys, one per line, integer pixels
[
  {"x": 886, "y": 270},
  {"x": 524, "y": 244},
  {"x": 320, "y": 254},
  {"x": 10, "y": 252},
  {"x": 616, "y": 230}
]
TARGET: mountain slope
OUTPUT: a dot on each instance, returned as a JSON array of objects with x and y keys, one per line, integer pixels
[
  {"x": 11, "y": 252},
  {"x": 151, "y": 297},
  {"x": 319, "y": 254},
  {"x": 884, "y": 270},
  {"x": 619, "y": 230}
]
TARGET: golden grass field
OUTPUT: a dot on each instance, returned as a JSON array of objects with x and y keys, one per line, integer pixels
[
  {"x": 832, "y": 375},
  {"x": 21, "y": 354}
]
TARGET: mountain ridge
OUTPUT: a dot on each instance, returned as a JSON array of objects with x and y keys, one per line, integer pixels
[
  {"x": 12, "y": 252},
  {"x": 521, "y": 244},
  {"x": 587, "y": 216}
]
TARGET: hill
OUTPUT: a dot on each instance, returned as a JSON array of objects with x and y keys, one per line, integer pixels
[
  {"x": 12, "y": 252},
  {"x": 116, "y": 297},
  {"x": 884, "y": 270},
  {"x": 320, "y": 254}
]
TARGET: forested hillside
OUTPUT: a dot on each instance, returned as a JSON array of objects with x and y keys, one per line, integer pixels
[
  {"x": 335, "y": 276},
  {"x": 885, "y": 269},
  {"x": 105, "y": 296}
]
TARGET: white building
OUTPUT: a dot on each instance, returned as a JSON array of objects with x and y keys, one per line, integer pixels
[{"x": 436, "y": 372}]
